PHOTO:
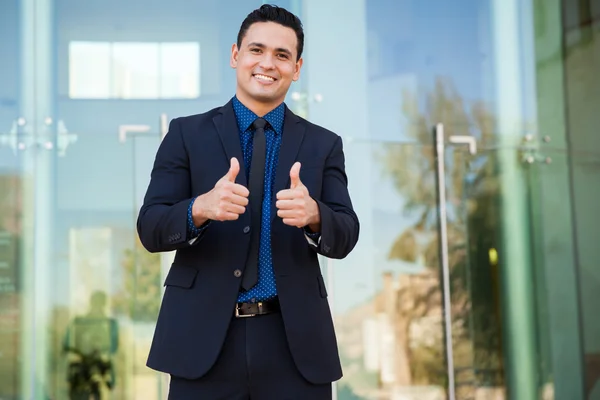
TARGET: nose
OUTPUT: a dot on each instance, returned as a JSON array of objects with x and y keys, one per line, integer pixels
[{"x": 266, "y": 61}]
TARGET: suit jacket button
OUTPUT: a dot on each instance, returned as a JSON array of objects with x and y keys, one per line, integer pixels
[
  {"x": 246, "y": 229},
  {"x": 237, "y": 273}
]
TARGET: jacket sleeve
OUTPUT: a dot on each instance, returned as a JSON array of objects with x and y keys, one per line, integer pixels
[
  {"x": 162, "y": 220},
  {"x": 339, "y": 223}
]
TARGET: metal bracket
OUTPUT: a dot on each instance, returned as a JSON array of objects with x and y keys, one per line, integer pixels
[
  {"x": 18, "y": 139},
  {"x": 64, "y": 138},
  {"x": 531, "y": 152},
  {"x": 11, "y": 139}
]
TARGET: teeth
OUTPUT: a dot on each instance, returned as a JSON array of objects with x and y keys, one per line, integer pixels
[{"x": 264, "y": 77}]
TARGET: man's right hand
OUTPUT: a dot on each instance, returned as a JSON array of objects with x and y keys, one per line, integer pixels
[{"x": 225, "y": 202}]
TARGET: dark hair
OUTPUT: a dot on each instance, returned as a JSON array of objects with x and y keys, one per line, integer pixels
[{"x": 279, "y": 15}]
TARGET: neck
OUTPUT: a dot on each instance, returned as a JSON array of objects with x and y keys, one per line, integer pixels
[{"x": 259, "y": 108}]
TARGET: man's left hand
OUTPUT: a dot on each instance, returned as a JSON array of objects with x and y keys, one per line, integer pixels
[{"x": 295, "y": 206}]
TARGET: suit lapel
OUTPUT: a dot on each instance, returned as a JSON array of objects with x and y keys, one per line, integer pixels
[
  {"x": 227, "y": 128},
  {"x": 293, "y": 133}
]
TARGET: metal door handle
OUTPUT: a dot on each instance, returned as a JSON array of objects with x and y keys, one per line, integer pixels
[
  {"x": 164, "y": 126},
  {"x": 443, "y": 232},
  {"x": 440, "y": 147},
  {"x": 465, "y": 139},
  {"x": 126, "y": 130}
]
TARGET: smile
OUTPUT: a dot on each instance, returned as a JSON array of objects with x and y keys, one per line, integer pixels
[{"x": 264, "y": 78}]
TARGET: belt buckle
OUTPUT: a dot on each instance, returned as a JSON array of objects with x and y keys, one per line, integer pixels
[{"x": 238, "y": 315}]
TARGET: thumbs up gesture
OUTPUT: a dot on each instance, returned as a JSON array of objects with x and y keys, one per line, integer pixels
[
  {"x": 295, "y": 206},
  {"x": 225, "y": 202}
]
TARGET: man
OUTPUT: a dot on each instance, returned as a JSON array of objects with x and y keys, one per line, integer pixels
[{"x": 249, "y": 194}]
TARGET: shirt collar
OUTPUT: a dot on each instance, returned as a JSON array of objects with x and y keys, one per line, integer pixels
[{"x": 245, "y": 117}]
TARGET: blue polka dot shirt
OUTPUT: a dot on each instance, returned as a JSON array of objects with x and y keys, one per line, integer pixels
[{"x": 266, "y": 287}]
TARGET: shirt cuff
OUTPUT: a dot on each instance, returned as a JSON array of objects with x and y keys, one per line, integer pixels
[
  {"x": 314, "y": 238},
  {"x": 193, "y": 231}
]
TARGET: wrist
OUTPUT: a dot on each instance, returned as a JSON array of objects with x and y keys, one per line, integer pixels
[
  {"x": 314, "y": 223},
  {"x": 198, "y": 214}
]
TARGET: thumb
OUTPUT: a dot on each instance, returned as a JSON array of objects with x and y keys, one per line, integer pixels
[
  {"x": 234, "y": 169},
  {"x": 295, "y": 175}
]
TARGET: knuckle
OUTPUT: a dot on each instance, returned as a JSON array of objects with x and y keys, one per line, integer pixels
[{"x": 223, "y": 196}]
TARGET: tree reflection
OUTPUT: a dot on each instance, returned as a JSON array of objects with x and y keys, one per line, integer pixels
[{"x": 472, "y": 225}]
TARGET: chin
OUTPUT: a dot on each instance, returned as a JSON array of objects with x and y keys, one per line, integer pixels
[{"x": 265, "y": 97}]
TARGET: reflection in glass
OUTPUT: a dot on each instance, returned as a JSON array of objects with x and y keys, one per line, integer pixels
[
  {"x": 393, "y": 343},
  {"x": 135, "y": 70},
  {"x": 122, "y": 70},
  {"x": 112, "y": 287},
  {"x": 90, "y": 344},
  {"x": 387, "y": 300},
  {"x": 581, "y": 38},
  {"x": 179, "y": 70},
  {"x": 89, "y": 70},
  {"x": 10, "y": 296}
]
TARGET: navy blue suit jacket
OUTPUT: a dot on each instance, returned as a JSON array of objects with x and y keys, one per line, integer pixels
[{"x": 202, "y": 284}]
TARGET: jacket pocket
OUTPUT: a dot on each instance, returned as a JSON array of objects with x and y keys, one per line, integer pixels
[
  {"x": 322, "y": 287},
  {"x": 181, "y": 276}
]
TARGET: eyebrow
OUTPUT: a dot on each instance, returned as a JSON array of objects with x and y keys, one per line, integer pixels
[{"x": 262, "y": 46}]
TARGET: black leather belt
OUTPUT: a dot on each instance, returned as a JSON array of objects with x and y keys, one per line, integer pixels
[{"x": 244, "y": 310}]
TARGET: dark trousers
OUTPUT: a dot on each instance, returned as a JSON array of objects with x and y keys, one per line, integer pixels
[{"x": 255, "y": 364}]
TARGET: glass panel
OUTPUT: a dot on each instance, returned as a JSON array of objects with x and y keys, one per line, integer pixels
[
  {"x": 554, "y": 262},
  {"x": 120, "y": 70},
  {"x": 10, "y": 293},
  {"x": 582, "y": 63},
  {"x": 402, "y": 67},
  {"x": 135, "y": 67},
  {"x": 15, "y": 210},
  {"x": 472, "y": 190},
  {"x": 388, "y": 309},
  {"x": 89, "y": 70},
  {"x": 111, "y": 289},
  {"x": 12, "y": 230},
  {"x": 107, "y": 290},
  {"x": 179, "y": 70},
  {"x": 485, "y": 68}
]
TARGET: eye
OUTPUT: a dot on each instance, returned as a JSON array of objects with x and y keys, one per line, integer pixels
[
  {"x": 283, "y": 56},
  {"x": 255, "y": 50}
]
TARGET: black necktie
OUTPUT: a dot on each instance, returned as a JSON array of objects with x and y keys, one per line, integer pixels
[{"x": 255, "y": 186}]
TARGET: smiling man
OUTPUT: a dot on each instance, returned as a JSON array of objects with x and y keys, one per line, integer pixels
[{"x": 248, "y": 195}]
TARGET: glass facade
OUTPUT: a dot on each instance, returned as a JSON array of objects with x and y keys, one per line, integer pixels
[{"x": 476, "y": 275}]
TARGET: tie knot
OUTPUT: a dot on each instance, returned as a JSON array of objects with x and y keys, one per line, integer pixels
[{"x": 259, "y": 123}]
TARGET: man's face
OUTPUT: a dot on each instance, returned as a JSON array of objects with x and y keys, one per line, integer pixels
[{"x": 265, "y": 64}]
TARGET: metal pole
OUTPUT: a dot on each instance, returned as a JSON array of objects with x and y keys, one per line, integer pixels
[{"x": 443, "y": 232}]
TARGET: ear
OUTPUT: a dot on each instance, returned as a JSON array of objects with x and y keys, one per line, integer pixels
[
  {"x": 234, "y": 56},
  {"x": 298, "y": 67}
]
